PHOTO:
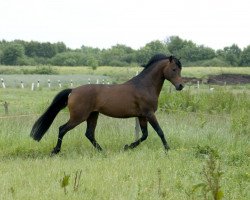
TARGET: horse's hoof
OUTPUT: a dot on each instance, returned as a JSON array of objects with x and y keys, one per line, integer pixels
[
  {"x": 126, "y": 147},
  {"x": 54, "y": 152},
  {"x": 167, "y": 148},
  {"x": 99, "y": 148}
]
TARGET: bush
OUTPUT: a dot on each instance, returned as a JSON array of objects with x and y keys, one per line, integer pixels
[
  {"x": 118, "y": 63},
  {"x": 40, "y": 70},
  {"x": 74, "y": 59},
  {"x": 26, "y": 61},
  {"x": 215, "y": 62}
]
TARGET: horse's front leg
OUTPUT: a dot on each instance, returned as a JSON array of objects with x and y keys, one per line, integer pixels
[{"x": 154, "y": 123}]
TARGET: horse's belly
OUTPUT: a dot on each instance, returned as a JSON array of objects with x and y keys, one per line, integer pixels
[{"x": 121, "y": 111}]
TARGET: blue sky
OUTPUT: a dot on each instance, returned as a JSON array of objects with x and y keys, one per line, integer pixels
[{"x": 98, "y": 23}]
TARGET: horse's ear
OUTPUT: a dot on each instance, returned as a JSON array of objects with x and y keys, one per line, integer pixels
[{"x": 171, "y": 58}]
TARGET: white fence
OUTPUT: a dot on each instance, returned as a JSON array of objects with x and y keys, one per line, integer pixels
[{"x": 57, "y": 83}]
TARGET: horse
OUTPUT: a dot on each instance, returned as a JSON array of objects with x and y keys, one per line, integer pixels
[{"x": 138, "y": 97}]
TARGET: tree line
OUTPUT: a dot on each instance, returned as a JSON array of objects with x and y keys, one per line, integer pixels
[{"x": 19, "y": 52}]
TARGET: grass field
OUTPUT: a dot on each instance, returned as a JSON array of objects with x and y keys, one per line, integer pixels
[
  {"x": 208, "y": 133},
  {"x": 120, "y": 74}
]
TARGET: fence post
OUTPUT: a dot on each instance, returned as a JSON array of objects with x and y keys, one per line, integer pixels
[
  {"x": 3, "y": 84},
  {"x": 22, "y": 86},
  {"x": 6, "y": 108},
  {"x": 71, "y": 83},
  {"x": 59, "y": 83},
  {"x": 32, "y": 86},
  {"x": 49, "y": 83}
]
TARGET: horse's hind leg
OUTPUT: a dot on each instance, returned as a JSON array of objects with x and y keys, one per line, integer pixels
[
  {"x": 144, "y": 129},
  {"x": 90, "y": 132},
  {"x": 137, "y": 129},
  {"x": 62, "y": 131}
]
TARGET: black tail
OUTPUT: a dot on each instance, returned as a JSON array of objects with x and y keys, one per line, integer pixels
[{"x": 44, "y": 122}]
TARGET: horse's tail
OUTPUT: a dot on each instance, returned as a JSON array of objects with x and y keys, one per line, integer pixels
[{"x": 44, "y": 122}]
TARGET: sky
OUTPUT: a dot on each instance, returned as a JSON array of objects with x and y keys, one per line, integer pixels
[{"x": 105, "y": 23}]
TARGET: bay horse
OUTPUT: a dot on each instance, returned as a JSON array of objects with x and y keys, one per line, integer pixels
[{"x": 138, "y": 97}]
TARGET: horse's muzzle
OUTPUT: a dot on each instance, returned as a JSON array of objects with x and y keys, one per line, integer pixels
[{"x": 179, "y": 87}]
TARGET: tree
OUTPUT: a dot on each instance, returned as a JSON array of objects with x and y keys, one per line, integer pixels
[
  {"x": 31, "y": 48},
  {"x": 150, "y": 49},
  {"x": 193, "y": 53},
  {"x": 206, "y": 53},
  {"x": 188, "y": 50},
  {"x": 245, "y": 56},
  {"x": 118, "y": 55},
  {"x": 91, "y": 61},
  {"x": 46, "y": 50},
  {"x": 232, "y": 55},
  {"x": 91, "y": 56},
  {"x": 175, "y": 44},
  {"x": 60, "y": 47},
  {"x": 11, "y": 53}
]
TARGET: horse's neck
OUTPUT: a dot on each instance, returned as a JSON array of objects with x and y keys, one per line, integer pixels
[{"x": 151, "y": 80}]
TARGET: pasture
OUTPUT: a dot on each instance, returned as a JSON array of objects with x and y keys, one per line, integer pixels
[{"x": 208, "y": 132}]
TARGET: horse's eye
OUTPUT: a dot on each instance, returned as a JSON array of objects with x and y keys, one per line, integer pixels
[{"x": 174, "y": 70}]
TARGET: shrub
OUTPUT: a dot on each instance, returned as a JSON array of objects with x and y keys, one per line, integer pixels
[
  {"x": 214, "y": 62},
  {"x": 211, "y": 174},
  {"x": 40, "y": 70}
]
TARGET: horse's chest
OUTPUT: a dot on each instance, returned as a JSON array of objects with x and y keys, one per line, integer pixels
[{"x": 149, "y": 104}]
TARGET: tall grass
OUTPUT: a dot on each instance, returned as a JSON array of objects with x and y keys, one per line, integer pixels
[
  {"x": 28, "y": 172},
  {"x": 218, "y": 101},
  {"x": 195, "y": 124}
]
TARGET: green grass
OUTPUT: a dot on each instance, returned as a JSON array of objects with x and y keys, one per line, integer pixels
[
  {"x": 147, "y": 172},
  {"x": 203, "y": 72},
  {"x": 27, "y": 169},
  {"x": 195, "y": 122},
  {"x": 120, "y": 74}
]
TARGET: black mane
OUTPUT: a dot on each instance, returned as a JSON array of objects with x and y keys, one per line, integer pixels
[{"x": 159, "y": 57}]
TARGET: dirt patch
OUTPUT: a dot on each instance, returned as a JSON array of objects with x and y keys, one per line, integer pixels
[
  {"x": 192, "y": 80},
  {"x": 230, "y": 79}
]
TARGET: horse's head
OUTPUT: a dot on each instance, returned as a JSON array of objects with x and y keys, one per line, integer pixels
[{"x": 172, "y": 72}]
